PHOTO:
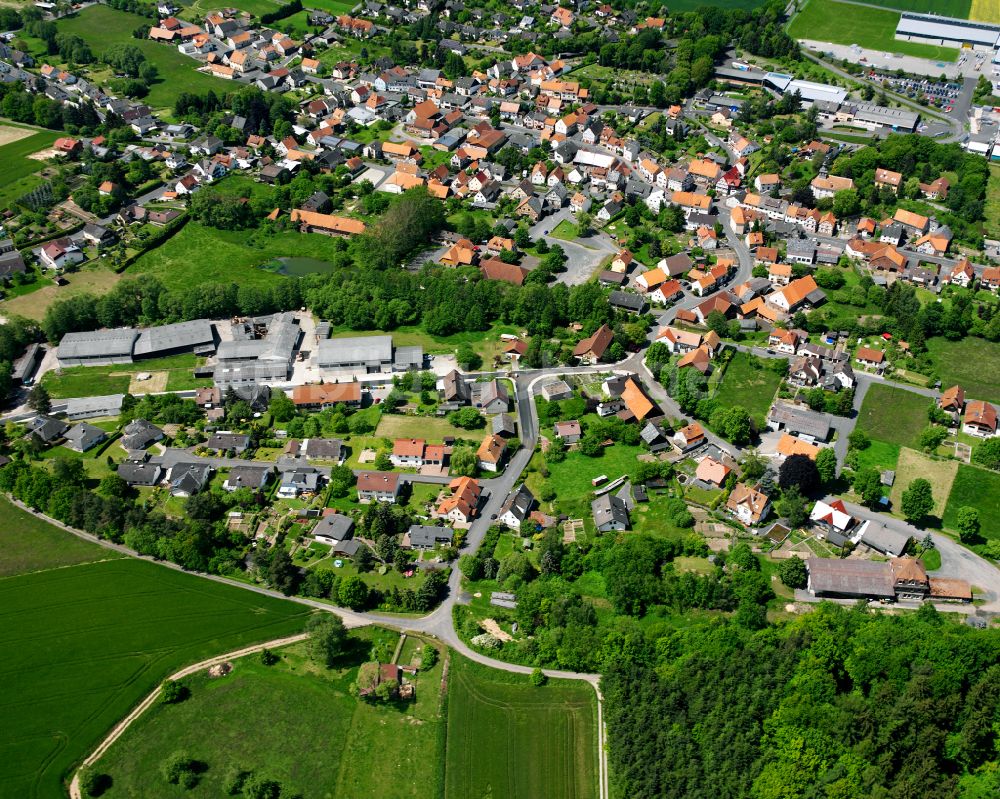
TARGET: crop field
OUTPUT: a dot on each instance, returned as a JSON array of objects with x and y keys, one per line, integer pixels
[
  {"x": 874, "y": 28},
  {"x": 985, "y": 10},
  {"x": 749, "y": 383},
  {"x": 100, "y": 26},
  {"x": 971, "y": 362},
  {"x": 979, "y": 489},
  {"x": 18, "y": 174},
  {"x": 84, "y": 643},
  {"x": 691, "y": 5},
  {"x": 507, "y": 738},
  {"x": 944, "y": 8},
  {"x": 894, "y": 415},
  {"x": 29, "y": 544},
  {"x": 309, "y": 733}
]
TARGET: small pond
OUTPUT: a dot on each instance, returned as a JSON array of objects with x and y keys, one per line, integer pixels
[{"x": 296, "y": 266}]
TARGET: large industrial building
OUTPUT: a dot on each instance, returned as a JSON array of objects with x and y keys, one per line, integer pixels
[
  {"x": 808, "y": 90},
  {"x": 128, "y": 344},
  {"x": 948, "y": 32},
  {"x": 258, "y": 350},
  {"x": 373, "y": 354}
]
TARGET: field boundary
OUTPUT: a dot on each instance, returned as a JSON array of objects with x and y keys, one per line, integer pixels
[{"x": 119, "y": 729}]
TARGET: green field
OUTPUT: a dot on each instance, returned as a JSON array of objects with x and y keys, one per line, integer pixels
[
  {"x": 880, "y": 455},
  {"x": 571, "y": 478},
  {"x": 18, "y": 174},
  {"x": 972, "y": 362},
  {"x": 199, "y": 254},
  {"x": 101, "y": 26},
  {"x": 691, "y": 5},
  {"x": 430, "y": 428},
  {"x": 84, "y": 643},
  {"x": 748, "y": 382},
  {"x": 29, "y": 544},
  {"x": 308, "y": 732},
  {"x": 874, "y": 28},
  {"x": 91, "y": 381},
  {"x": 893, "y": 415},
  {"x": 507, "y": 738},
  {"x": 992, "y": 213},
  {"x": 976, "y": 488},
  {"x": 944, "y": 8}
]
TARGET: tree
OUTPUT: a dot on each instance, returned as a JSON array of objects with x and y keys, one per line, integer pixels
[
  {"x": 464, "y": 462},
  {"x": 717, "y": 321},
  {"x": 968, "y": 524},
  {"x": 793, "y": 572},
  {"x": 792, "y": 506},
  {"x": 282, "y": 408},
  {"x": 918, "y": 501},
  {"x": 859, "y": 440},
  {"x": 468, "y": 418},
  {"x": 327, "y": 638},
  {"x": 94, "y": 783},
  {"x": 931, "y": 437},
  {"x": 468, "y": 357},
  {"x": 258, "y": 787},
  {"x": 800, "y": 471},
  {"x": 282, "y": 574},
  {"x": 354, "y": 593},
  {"x": 268, "y": 657},
  {"x": 173, "y": 692},
  {"x": 538, "y": 678},
  {"x": 868, "y": 485},
  {"x": 988, "y": 453},
  {"x": 826, "y": 465},
  {"x": 39, "y": 399}
]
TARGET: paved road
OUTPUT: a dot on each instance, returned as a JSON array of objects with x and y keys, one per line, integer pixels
[{"x": 582, "y": 259}]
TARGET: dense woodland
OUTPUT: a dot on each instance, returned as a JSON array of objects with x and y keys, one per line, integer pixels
[{"x": 836, "y": 704}]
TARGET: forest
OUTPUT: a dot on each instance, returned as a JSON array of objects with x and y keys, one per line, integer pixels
[{"x": 839, "y": 703}]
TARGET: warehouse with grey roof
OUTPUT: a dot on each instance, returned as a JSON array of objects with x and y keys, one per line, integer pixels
[{"x": 372, "y": 354}]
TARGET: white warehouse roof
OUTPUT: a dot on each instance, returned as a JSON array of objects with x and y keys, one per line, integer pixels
[{"x": 949, "y": 28}]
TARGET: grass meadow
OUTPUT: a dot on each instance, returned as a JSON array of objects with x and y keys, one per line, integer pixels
[
  {"x": 893, "y": 415},
  {"x": 507, "y": 738},
  {"x": 748, "y": 382},
  {"x": 913, "y": 464},
  {"x": 971, "y": 362},
  {"x": 309, "y": 733},
  {"x": 976, "y": 488},
  {"x": 18, "y": 174},
  {"x": 84, "y": 643},
  {"x": 847, "y": 23},
  {"x": 88, "y": 381},
  {"x": 945, "y": 8}
]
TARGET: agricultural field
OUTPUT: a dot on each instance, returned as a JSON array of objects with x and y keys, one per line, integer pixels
[
  {"x": 992, "y": 212},
  {"x": 170, "y": 373},
  {"x": 309, "y": 732},
  {"x": 945, "y": 8},
  {"x": 976, "y": 488},
  {"x": 971, "y": 362},
  {"x": 913, "y": 464},
  {"x": 198, "y": 254},
  {"x": 691, "y": 5},
  {"x": 16, "y": 144},
  {"x": 874, "y": 28},
  {"x": 84, "y": 643},
  {"x": 508, "y": 738},
  {"x": 100, "y": 26},
  {"x": 893, "y": 415},
  {"x": 30, "y": 545},
  {"x": 748, "y": 382},
  {"x": 985, "y": 11}
]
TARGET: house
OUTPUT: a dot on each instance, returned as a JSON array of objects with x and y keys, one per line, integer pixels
[
  {"x": 408, "y": 452},
  {"x": 223, "y": 442},
  {"x": 796, "y": 294},
  {"x": 912, "y": 222},
  {"x": 491, "y": 453},
  {"x": 569, "y": 432},
  {"x": 789, "y": 445},
  {"x": 461, "y": 505},
  {"x": 952, "y": 400},
  {"x": 187, "y": 479},
  {"x": 82, "y": 437},
  {"x": 98, "y": 235},
  {"x": 140, "y": 434},
  {"x": 137, "y": 473},
  {"x": 795, "y": 419},
  {"x": 962, "y": 274},
  {"x": 990, "y": 279},
  {"x": 609, "y": 513},
  {"x": 323, "y": 449},
  {"x": 779, "y": 274},
  {"x": 556, "y": 390},
  {"x": 590, "y": 350},
  {"x": 59, "y": 254},
  {"x": 748, "y": 504},
  {"x": 711, "y": 471},
  {"x": 454, "y": 389},
  {"x": 873, "y": 359},
  {"x": 785, "y": 341},
  {"x": 490, "y": 397},
  {"x": 254, "y": 478},
  {"x": 516, "y": 507},
  {"x": 689, "y": 437},
  {"x": 622, "y": 261},
  {"x": 333, "y": 528},
  {"x": 887, "y": 179},
  {"x": 637, "y": 402},
  {"x": 767, "y": 183},
  {"x": 422, "y": 536},
  {"x": 304, "y": 481},
  {"x": 826, "y": 187},
  {"x": 980, "y": 419},
  {"x": 378, "y": 487}
]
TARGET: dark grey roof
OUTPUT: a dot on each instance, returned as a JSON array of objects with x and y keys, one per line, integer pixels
[
  {"x": 144, "y": 474},
  {"x": 98, "y": 343},
  {"x": 248, "y": 476},
  {"x": 425, "y": 536},
  {"x": 360, "y": 349},
  {"x": 189, "y": 478},
  {"x": 885, "y": 539},
  {"x": 84, "y": 436},
  {"x": 336, "y": 526},
  {"x": 139, "y": 434},
  {"x": 519, "y": 503},
  {"x": 609, "y": 512},
  {"x": 183, "y": 335},
  {"x": 228, "y": 441},
  {"x": 331, "y": 449},
  {"x": 801, "y": 420},
  {"x": 503, "y": 424},
  {"x": 850, "y": 577},
  {"x": 624, "y": 299},
  {"x": 47, "y": 428}
]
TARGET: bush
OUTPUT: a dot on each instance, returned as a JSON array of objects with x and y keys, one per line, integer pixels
[
  {"x": 538, "y": 678},
  {"x": 181, "y": 769},
  {"x": 94, "y": 783},
  {"x": 428, "y": 657}
]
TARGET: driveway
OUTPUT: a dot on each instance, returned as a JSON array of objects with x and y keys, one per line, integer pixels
[{"x": 583, "y": 256}]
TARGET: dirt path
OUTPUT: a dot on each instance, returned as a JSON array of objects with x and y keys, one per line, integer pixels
[{"x": 145, "y": 704}]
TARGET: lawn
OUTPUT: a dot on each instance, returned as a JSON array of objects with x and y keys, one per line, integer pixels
[
  {"x": 571, "y": 478},
  {"x": 874, "y": 28},
  {"x": 749, "y": 383},
  {"x": 880, "y": 455},
  {"x": 979, "y": 489},
  {"x": 565, "y": 230},
  {"x": 31, "y": 545},
  {"x": 894, "y": 415},
  {"x": 431, "y": 428},
  {"x": 913, "y": 464},
  {"x": 199, "y": 254},
  {"x": 85, "y": 643},
  {"x": 972, "y": 362},
  {"x": 18, "y": 174},
  {"x": 507, "y": 738},
  {"x": 309, "y": 733},
  {"x": 101, "y": 26},
  {"x": 95, "y": 279},
  {"x": 992, "y": 214},
  {"x": 89, "y": 381}
]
